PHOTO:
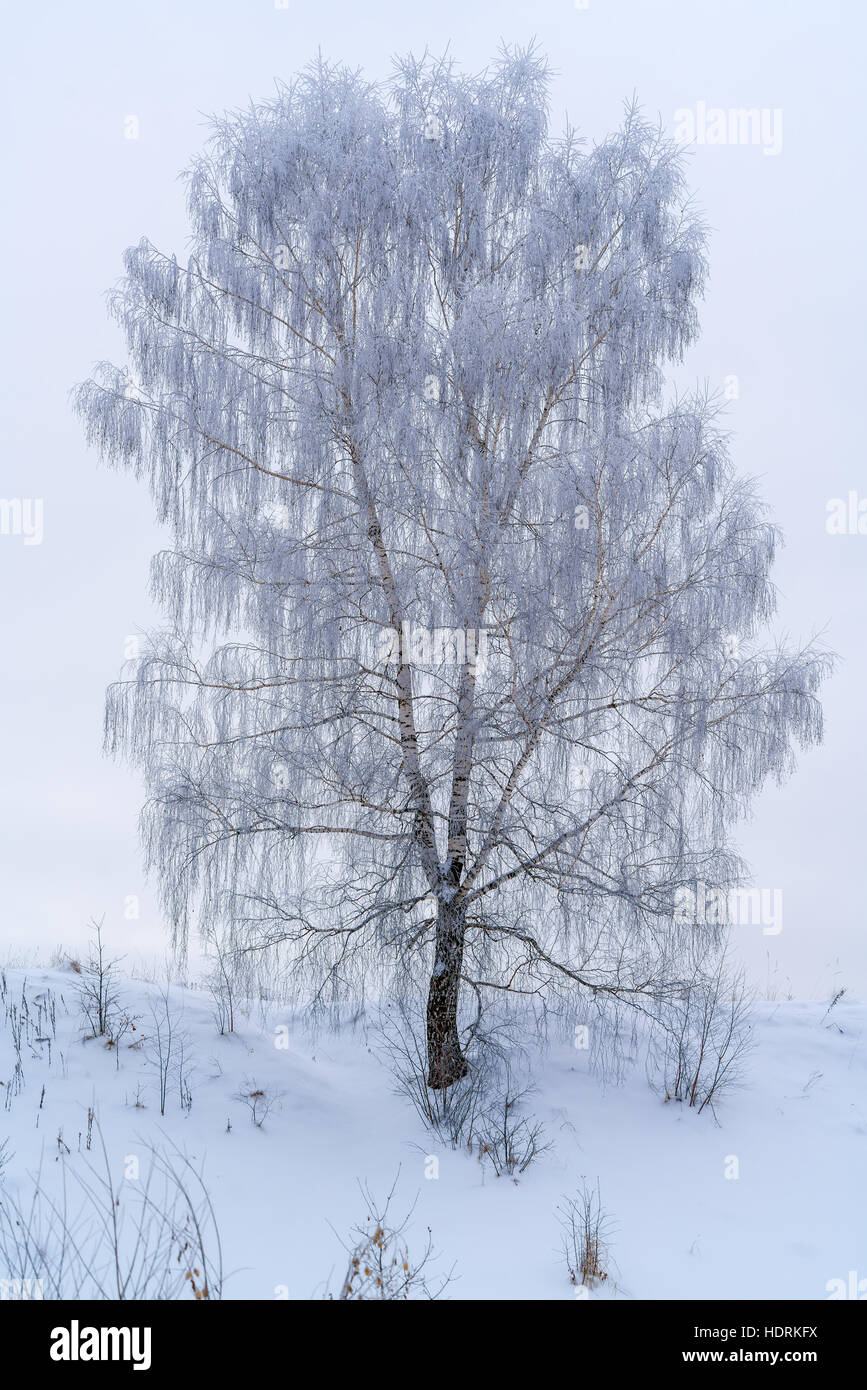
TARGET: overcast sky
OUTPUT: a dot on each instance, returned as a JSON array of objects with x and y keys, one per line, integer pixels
[{"x": 782, "y": 335}]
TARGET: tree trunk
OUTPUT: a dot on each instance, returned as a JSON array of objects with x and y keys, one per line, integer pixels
[{"x": 446, "y": 1062}]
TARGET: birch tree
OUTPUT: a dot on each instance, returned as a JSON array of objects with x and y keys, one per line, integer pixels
[{"x": 463, "y": 669}]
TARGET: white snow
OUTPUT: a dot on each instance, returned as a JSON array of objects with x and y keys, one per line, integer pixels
[{"x": 285, "y": 1193}]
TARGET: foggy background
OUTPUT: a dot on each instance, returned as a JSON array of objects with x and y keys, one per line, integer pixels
[{"x": 782, "y": 336}]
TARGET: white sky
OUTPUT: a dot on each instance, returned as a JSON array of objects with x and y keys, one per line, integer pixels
[{"x": 784, "y": 314}]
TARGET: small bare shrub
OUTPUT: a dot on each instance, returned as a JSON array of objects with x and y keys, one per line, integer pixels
[
  {"x": 156, "y": 1238},
  {"x": 586, "y": 1230},
  {"x": 120, "y": 1025},
  {"x": 167, "y": 1048},
  {"x": 380, "y": 1265},
  {"x": 221, "y": 982},
  {"x": 454, "y": 1114},
  {"x": 702, "y": 1037},
  {"x": 98, "y": 990},
  {"x": 507, "y": 1141},
  {"x": 258, "y": 1100}
]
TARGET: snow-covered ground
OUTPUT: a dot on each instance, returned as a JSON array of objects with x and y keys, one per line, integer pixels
[{"x": 285, "y": 1193}]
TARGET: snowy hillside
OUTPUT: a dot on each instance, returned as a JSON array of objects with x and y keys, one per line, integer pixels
[{"x": 286, "y": 1191}]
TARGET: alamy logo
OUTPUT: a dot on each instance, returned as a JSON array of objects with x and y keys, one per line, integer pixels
[
  {"x": 75, "y": 1343},
  {"x": 847, "y": 516},
  {"x": 739, "y": 125},
  {"x": 701, "y": 906},
  {"x": 415, "y": 645},
  {"x": 17, "y": 1289},
  {"x": 852, "y": 1288},
  {"x": 23, "y": 516}
]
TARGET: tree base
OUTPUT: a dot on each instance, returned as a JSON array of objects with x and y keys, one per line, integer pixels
[{"x": 446, "y": 1074}]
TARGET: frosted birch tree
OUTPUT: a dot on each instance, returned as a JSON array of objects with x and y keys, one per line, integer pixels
[{"x": 463, "y": 668}]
